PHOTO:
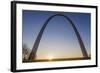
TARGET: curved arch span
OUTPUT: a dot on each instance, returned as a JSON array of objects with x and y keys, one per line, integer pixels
[{"x": 37, "y": 41}]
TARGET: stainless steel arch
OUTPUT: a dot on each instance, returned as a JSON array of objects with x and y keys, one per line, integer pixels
[{"x": 37, "y": 41}]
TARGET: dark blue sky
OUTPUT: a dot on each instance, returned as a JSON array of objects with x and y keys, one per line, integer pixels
[{"x": 58, "y": 35}]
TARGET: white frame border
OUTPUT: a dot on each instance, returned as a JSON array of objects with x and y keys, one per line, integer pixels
[{"x": 37, "y": 65}]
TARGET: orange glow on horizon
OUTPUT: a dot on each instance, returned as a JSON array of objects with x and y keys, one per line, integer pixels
[{"x": 50, "y": 57}]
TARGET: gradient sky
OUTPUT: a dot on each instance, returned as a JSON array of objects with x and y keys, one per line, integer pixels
[{"x": 59, "y": 39}]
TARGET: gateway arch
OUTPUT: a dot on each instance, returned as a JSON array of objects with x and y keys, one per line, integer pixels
[{"x": 32, "y": 55}]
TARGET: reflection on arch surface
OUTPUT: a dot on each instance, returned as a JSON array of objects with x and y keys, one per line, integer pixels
[{"x": 37, "y": 41}]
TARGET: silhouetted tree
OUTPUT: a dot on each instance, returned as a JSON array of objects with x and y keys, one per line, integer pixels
[{"x": 25, "y": 52}]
